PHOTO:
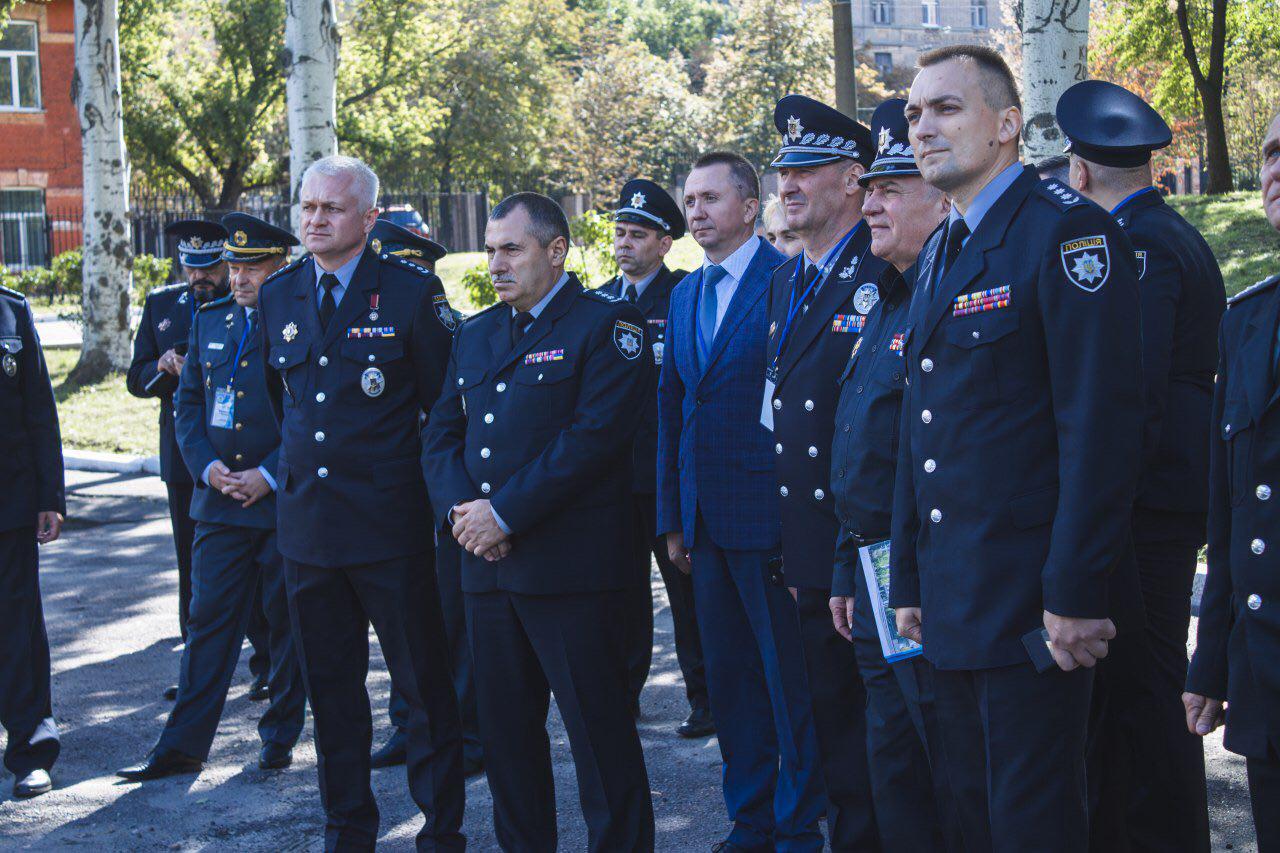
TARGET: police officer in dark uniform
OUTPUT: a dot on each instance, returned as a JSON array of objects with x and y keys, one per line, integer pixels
[
  {"x": 1019, "y": 454},
  {"x": 818, "y": 303},
  {"x": 912, "y": 805},
  {"x": 231, "y": 443},
  {"x": 528, "y": 453},
  {"x": 356, "y": 345},
  {"x": 390, "y": 239},
  {"x": 32, "y": 506},
  {"x": 1147, "y": 771},
  {"x": 646, "y": 222},
  {"x": 1237, "y": 656}
]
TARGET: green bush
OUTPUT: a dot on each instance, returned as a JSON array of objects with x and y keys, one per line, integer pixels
[
  {"x": 68, "y": 272},
  {"x": 149, "y": 272},
  {"x": 479, "y": 286},
  {"x": 592, "y": 233}
]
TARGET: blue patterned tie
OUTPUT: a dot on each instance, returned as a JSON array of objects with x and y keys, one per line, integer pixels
[{"x": 707, "y": 307}]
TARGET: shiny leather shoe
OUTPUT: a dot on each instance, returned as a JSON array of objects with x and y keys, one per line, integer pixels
[
  {"x": 392, "y": 752},
  {"x": 699, "y": 723},
  {"x": 261, "y": 690},
  {"x": 171, "y": 693},
  {"x": 274, "y": 756},
  {"x": 161, "y": 763},
  {"x": 34, "y": 784}
]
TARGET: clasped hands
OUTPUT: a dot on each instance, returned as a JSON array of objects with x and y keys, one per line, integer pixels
[
  {"x": 1073, "y": 642},
  {"x": 248, "y": 486},
  {"x": 476, "y": 529}
]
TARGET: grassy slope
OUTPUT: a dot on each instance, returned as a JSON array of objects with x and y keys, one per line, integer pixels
[
  {"x": 102, "y": 416},
  {"x": 1247, "y": 249}
]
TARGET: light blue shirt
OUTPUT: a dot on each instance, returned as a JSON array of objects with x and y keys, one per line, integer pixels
[
  {"x": 266, "y": 475},
  {"x": 735, "y": 267},
  {"x": 985, "y": 199},
  {"x": 344, "y": 274}
]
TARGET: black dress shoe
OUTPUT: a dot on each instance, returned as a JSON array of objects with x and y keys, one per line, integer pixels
[
  {"x": 472, "y": 765},
  {"x": 699, "y": 723},
  {"x": 161, "y": 763},
  {"x": 274, "y": 756},
  {"x": 34, "y": 784},
  {"x": 261, "y": 690},
  {"x": 727, "y": 847},
  {"x": 171, "y": 693},
  {"x": 392, "y": 752}
]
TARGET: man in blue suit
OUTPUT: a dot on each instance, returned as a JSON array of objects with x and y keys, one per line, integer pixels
[{"x": 718, "y": 507}]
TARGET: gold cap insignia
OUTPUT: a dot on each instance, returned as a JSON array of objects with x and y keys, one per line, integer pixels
[
  {"x": 240, "y": 238},
  {"x": 376, "y": 245}
]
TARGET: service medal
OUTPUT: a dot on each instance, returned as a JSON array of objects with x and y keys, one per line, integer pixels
[
  {"x": 10, "y": 365},
  {"x": 657, "y": 352},
  {"x": 372, "y": 382},
  {"x": 289, "y": 332},
  {"x": 866, "y": 298}
]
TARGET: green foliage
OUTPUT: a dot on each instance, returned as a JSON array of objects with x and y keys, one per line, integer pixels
[
  {"x": 592, "y": 234},
  {"x": 149, "y": 272},
  {"x": 57, "y": 283},
  {"x": 478, "y": 286},
  {"x": 1233, "y": 224}
]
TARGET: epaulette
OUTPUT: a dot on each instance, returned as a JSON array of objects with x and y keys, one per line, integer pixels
[
  {"x": 1265, "y": 284},
  {"x": 213, "y": 303},
  {"x": 599, "y": 294},
  {"x": 396, "y": 260},
  {"x": 8, "y": 291},
  {"x": 168, "y": 288},
  {"x": 292, "y": 265},
  {"x": 1065, "y": 197}
]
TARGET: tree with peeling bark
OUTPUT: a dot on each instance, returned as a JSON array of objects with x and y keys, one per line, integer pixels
[
  {"x": 108, "y": 251},
  {"x": 1055, "y": 55},
  {"x": 311, "y": 66}
]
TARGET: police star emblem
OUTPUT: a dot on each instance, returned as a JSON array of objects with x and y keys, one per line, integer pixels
[
  {"x": 289, "y": 332},
  {"x": 1087, "y": 262},
  {"x": 794, "y": 127},
  {"x": 638, "y": 200},
  {"x": 885, "y": 138},
  {"x": 197, "y": 243},
  {"x": 627, "y": 338}
]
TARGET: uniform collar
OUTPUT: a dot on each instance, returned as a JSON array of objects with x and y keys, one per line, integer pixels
[
  {"x": 987, "y": 197},
  {"x": 546, "y": 300},
  {"x": 639, "y": 285},
  {"x": 343, "y": 273},
  {"x": 1130, "y": 198}
]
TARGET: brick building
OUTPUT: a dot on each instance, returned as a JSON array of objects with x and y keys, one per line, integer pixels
[{"x": 40, "y": 169}]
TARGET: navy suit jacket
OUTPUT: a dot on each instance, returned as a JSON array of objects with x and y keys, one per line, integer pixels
[{"x": 714, "y": 456}]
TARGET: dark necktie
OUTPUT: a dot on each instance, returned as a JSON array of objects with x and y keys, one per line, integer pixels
[
  {"x": 328, "y": 304},
  {"x": 806, "y": 295},
  {"x": 957, "y": 231},
  {"x": 631, "y": 294},
  {"x": 520, "y": 325}
]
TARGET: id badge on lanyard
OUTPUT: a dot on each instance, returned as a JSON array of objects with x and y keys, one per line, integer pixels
[{"x": 223, "y": 415}]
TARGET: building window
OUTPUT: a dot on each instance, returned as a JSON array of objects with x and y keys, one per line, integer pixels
[
  {"x": 884, "y": 63},
  {"x": 19, "y": 67},
  {"x": 882, "y": 11},
  {"x": 929, "y": 12},
  {"x": 978, "y": 14},
  {"x": 23, "y": 242}
]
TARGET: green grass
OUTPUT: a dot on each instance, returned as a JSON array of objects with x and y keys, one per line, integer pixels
[
  {"x": 103, "y": 416},
  {"x": 1246, "y": 246}
]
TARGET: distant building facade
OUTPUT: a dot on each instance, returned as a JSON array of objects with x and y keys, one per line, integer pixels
[{"x": 890, "y": 34}]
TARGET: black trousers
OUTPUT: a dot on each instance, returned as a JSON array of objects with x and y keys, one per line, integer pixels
[
  {"x": 639, "y": 610},
  {"x": 526, "y": 648},
  {"x": 839, "y": 702},
  {"x": 331, "y": 609},
  {"x": 1264, "y": 796},
  {"x": 26, "y": 707},
  {"x": 1146, "y": 771},
  {"x": 258, "y": 632},
  {"x": 1015, "y": 746},
  {"x": 184, "y": 534}
]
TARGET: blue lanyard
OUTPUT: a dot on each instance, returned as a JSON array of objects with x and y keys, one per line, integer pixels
[
  {"x": 1130, "y": 197},
  {"x": 244, "y": 336},
  {"x": 824, "y": 270}
]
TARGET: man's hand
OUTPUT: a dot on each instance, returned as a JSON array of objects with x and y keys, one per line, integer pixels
[
  {"x": 910, "y": 623},
  {"x": 842, "y": 615},
  {"x": 1203, "y": 714},
  {"x": 475, "y": 528},
  {"x": 248, "y": 486},
  {"x": 677, "y": 553},
  {"x": 171, "y": 363},
  {"x": 48, "y": 527},
  {"x": 497, "y": 552},
  {"x": 1077, "y": 642}
]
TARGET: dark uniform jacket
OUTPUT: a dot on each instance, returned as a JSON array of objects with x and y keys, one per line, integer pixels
[
  {"x": 349, "y": 402},
  {"x": 1022, "y": 427},
  {"x": 804, "y": 400},
  {"x": 31, "y": 465},
  {"x": 166, "y": 321},
  {"x": 1182, "y": 301},
  {"x": 653, "y": 304},
  {"x": 543, "y": 430},
  {"x": 253, "y": 439},
  {"x": 1238, "y": 648},
  {"x": 864, "y": 452}
]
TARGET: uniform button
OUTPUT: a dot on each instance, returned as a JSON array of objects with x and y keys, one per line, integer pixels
[
  {"x": 502, "y": 386},
  {"x": 1227, "y": 428},
  {"x": 324, "y": 361},
  {"x": 782, "y": 490},
  {"x": 540, "y": 375},
  {"x": 320, "y": 397},
  {"x": 848, "y": 427},
  {"x": 372, "y": 357},
  {"x": 239, "y": 395},
  {"x": 813, "y": 452},
  {"x": 461, "y": 381},
  {"x": 488, "y": 418},
  {"x": 859, "y": 389},
  {"x": 280, "y": 359},
  {"x": 486, "y": 488},
  {"x": 926, "y": 365},
  {"x": 1257, "y": 546},
  {"x": 239, "y": 426},
  {"x": 319, "y": 435},
  {"x": 935, "y": 515},
  {"x": 239, "y": 457},
  {"x": 1263, "y": 492},
  {"x": 777, "y": 448},
  {"x": 244, "y": 364},
  {"x": 841, "y": 473},
  {"x": 209, "y": 364},
  {"x": 926, "y": 416},
  {"x": 485, "y": 452},
  {"x": 977, "y": 335},
  {"x": 818, "y": 494},
  {"x": 322, "y": 473},
  {"x": 930, "y": 466},
  {"x": 808, "y": 405},
  {"x": 1254, "y": 601},
  {"x": 777, "y": 404}
]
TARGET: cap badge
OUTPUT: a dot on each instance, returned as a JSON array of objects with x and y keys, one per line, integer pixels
[
  {"x": 376, "y": 245},
  {"x": 240, "y": 238},
  {"x": 885, "y": 138},
  {"x": 196, "y": 242},
  {"x": 638, "y": 200},
  {"x": 289, "y": 332},
  {"x": 794, "y": 127}
]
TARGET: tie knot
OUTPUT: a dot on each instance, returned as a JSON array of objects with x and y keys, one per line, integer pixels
[
  {"x": 956, "y": 233},
  {"x": 523, "y": 318},
  {"x": 712, "y": 275},
  {"x": 328, "y": 281},
  {"x": 631, "y": 293}
]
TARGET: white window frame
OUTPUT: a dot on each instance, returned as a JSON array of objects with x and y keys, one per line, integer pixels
[
  {"x": 881, "y": 12},
  {"x": 23, "y": 258},
  {"x": 878, "y": 66},
  {"x": 978, "y": 10},
  {"x": 11, "y": 57},
  {"x": 929, "y": 13}
]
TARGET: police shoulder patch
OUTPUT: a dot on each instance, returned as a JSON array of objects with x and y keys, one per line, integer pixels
[
  {"x": 1260, "y": 287},
  {"x": 628, "y": 338},
  {"x": 444, "y": 313},
  {"x": 1063, "y": 196},
  {"x": 1086, "y": 261}
]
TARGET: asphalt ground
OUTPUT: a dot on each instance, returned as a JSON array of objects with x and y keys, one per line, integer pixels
[{"x": 110, "y": 595}]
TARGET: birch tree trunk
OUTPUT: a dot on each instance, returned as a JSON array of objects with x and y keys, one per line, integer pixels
[
  {"x": 108, "y": 250},
  {"x": 1055, "y": 55},
  {"x": 311, "y": 63}
]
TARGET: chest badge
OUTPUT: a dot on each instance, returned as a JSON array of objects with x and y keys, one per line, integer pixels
[
  {"x": 289, "y": 332},
  {"x": 372, "y": 382},
  {"x": 10, "y": 365},
  {"x": 866, "y": 298},
  {"x": 164, "y": 324},
  {"x": 658, "y": 347}
]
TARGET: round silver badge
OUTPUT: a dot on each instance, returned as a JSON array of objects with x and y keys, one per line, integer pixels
[
  {"x": 658, "y": 347},
  {"x": 372, "y": 382},
  {"x": 10, "y": 364},
  {"x": 866, "y": 298}
]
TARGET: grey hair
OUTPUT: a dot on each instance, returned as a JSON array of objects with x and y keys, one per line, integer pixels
[{"x": 336, "y": 165}]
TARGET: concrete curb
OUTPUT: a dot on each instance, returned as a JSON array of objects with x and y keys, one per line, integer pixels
[{"x": 110, "y": 463}]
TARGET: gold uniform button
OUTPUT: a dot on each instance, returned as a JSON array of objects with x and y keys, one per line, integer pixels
[
  {"x": 239, "y": 457},
  {"x": 239, "y": 395},
  {"x": 239, "y": 427}
]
